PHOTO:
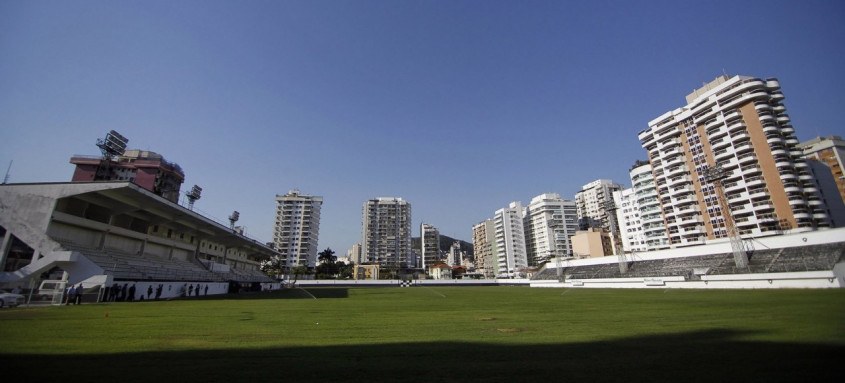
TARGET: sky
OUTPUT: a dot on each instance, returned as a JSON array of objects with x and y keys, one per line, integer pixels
[{"x": 458, "y": 107}]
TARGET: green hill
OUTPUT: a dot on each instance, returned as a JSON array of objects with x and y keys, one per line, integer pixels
[{"x": 445, "y": 244}]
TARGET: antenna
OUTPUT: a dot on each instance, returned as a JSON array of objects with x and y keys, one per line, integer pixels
[
  {"x": 6, "y": 178},
  {"x": 193, "y": 196},
  {"x": 234, "y": 218}
]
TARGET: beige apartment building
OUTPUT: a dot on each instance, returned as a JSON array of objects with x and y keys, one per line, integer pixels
[{"x": 739, "y": 124}]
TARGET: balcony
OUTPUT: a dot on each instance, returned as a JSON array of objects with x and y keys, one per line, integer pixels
[
  {"x": 722, "y": 155},
  {"x": 744, "y": 147},
  {"x": 734, "y": 187},
  {"x": 719, "y": 144},
  {"x": 676, "y": 171},
  {"x": 674, "y": 161},
  {"x": 747, "y": 158},
  {"x": 737, "y": 126}
]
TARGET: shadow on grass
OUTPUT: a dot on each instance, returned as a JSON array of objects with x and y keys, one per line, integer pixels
[
  {"x": 288, "y": 293},
  {"x": 706, "y": 356}
]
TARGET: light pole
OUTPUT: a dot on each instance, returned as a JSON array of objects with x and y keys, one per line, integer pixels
[{"x": 715, "y": 175}]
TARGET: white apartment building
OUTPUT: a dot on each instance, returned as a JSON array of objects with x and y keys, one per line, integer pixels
[
  {"x": 647, "y": 206},
  {"x": 484, "y": 248},
  {"x": 386, "y": 238},
  {"x": 511, "y": 256},
  {"x": 592, "y": 203},
  {"x": 628, "y": 218},
  {"x": 456, "y": 256},
  {"x": 826, "y": 156},
  {"x": 297, "y": 228},
  {"x": 549, "y": 224},
  {"x": 429, "y": 245},
  {"x": 739, "y": 124},
  {"x": 354, "y": 254}
]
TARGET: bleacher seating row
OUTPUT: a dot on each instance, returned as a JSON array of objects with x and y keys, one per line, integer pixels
[
  {"x": 792, "y": 259},
  {"x": 124, "y": 266}
]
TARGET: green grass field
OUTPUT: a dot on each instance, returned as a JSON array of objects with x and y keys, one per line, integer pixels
[{"x": 439, "y": 334}]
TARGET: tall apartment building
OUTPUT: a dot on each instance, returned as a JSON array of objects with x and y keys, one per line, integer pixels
[
  {"x": 825, "y": 155},
  {"x": 630, "y": 223},
  {"x": 592, "y": 202},
  {"x": 550, "y": 222},
  {"x": 511, "y": 255},
  {"x": 484, "y": 247},
  {"x": 638, "y": 214},
  {"x": 354, "y": 254},
  {"x": 456, "y": 256},
  {"x": 297, "y": 228},
  {"x": 144, "y": 168},
  {"x": 739, "y": 124},
  {"x": 429, "y": 245},
  {"x": 387, "y": 232}
]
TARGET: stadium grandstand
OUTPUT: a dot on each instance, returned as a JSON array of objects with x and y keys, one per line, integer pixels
[
  {"x": 810, "y": 259},
  {"x": 107, "y": 235}
]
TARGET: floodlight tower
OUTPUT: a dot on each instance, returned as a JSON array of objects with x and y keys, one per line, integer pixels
[
  {"x": 715, "y": 175},
  {"x": 193, "y": 196},
  {"x": 234, "y": 218},
  {"x": 113, "y": 146},
  {"x": 610, "y": 209}
]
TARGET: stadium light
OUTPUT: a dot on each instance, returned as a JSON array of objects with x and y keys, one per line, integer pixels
[{"x": 193, "y": 195}]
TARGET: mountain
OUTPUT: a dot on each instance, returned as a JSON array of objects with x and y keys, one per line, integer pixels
[{"x": 445, "y": 244}]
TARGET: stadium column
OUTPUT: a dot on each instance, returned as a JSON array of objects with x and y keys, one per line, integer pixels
[{"x": 4, "y": 249}]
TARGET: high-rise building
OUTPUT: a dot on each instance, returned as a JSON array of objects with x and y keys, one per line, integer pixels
[
  {"x": 456, "y": 256},
  {"x": 354, "y": 254},
  {"x": 484, "y": 248},
  {"x": 511, "y": 256},
  {"x": 144, "y": 168},
  {"x": 638, "y": 214},
  {"x": 297, "y": 228},
  {"x": 595, "y": 204},
  {"x": 628, "y": 218},
  {"x": 429, "y": 245},
  {"x": 825, "y": 156},
  {"x": 550, "y": 222},
  {"x": 387, "y": 232},
  {"x": 738, "y": 125}
]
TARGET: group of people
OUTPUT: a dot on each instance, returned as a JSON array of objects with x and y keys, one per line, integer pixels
[
  {"x": 191, "y": 290},
  {"x": 127, "y": 293},
  {"x": 73, "y": 294}
]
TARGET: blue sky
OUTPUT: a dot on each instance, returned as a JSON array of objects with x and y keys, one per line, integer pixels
[{"x": 457, "y": 106}]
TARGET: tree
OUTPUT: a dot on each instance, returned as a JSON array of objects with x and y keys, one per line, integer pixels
[
  {"x": 328, "y": 267},
  {"x": 345, "y": 271},
  {"x": 326, "y": 256},
  {"x": 273, "y": 267}
]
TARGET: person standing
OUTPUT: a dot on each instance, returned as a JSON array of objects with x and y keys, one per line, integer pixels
[
  {"x": 131, "y": 293},
  {"x": 149, "y": 292},
  {"x": 70, "y": 291},
  {"x": 77, "y": 294}
]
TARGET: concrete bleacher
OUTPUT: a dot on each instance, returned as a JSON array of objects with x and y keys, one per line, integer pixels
[
  {"x": 791, "y": 259},
  {"x": 124, "y": 266}
]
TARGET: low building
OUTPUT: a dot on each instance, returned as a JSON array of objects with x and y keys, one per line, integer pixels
[
  {"x": 591, "y": 243},
  {"x": 365, "y": 272}
]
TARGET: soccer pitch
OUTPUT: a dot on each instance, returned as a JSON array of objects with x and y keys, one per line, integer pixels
[{"x": 435, "y": 334}]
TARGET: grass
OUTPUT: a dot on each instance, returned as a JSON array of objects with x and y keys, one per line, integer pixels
[{"x": 433, "y": 334}]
